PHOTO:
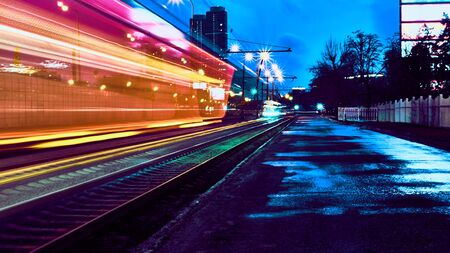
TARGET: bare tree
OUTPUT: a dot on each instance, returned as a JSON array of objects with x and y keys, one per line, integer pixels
[
  {"x": 329, "y": 74},
  {"x": 366, "y": 50},
  {"x": 334, "y": 55}
]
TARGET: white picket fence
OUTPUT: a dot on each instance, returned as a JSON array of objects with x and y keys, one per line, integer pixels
[
  {"x": 357, "y": 114},
  {"x": 427, "y": 111}
]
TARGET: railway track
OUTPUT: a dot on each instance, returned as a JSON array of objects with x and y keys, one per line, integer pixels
[{"x": 48, "y": 224}]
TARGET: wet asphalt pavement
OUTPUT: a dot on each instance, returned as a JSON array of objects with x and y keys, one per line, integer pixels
[{"x": 325, "y": 187}]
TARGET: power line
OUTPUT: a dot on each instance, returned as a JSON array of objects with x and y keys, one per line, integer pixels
[{"x": 259, "y": 44}]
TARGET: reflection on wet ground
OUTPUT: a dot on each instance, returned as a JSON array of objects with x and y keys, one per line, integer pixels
[
  {"x": 324, "y": 187},
  {"x": 331, "y": 169}
]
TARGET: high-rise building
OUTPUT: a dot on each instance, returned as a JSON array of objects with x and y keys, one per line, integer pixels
[
  {"x": 214, "y": 27},
  {"x": 421, "y": 20},
  {"x": 198, "y": 28}
]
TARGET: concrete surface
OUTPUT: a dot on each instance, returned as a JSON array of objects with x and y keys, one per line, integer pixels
[{"x": 325, "y": 187}]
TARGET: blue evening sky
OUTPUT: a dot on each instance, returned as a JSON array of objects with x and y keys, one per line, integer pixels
[{"x": 303, "y": 25}]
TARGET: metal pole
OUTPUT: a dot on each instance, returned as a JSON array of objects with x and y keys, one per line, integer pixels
[
  {"x": 273, "y": 91},
  {"x": 192, "y": 17},
  {"x": 243, "y": 82},
  {"x": 257, "y": 78},
  {"x": 78, "y": 44}
]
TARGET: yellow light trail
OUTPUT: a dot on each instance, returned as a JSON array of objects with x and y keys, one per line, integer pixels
[
  {"x": 10, "y": 37},
  {"x": 55, "y": 33},
  {"x": 43, "y": 138},
  {"x": 77, "y": 141},
  {"x": 18, "y": 174},
  {"x": 18, "y": 138},
  {"x": 200, "y": 124}
]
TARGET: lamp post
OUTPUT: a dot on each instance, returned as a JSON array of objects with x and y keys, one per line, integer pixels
[
  {"x": 191, "y": 24},
  {"x": 247, "y": 58},
  {"x": 76, "y": 68}
]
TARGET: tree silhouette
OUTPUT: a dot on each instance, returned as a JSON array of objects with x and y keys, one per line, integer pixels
[{"x": 366, "y": 49}]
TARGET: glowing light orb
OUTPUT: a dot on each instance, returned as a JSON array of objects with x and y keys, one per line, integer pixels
[
  {"x": 320, "y": 107},
  {"x": 175, "y": 2},
  {"x": 249, "y": 57},
  {"x": 235, "y": 48},
  {"x": 264, "y": 55}
]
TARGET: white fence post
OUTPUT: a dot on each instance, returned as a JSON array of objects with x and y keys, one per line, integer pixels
[{"x": 426, "y": 111}]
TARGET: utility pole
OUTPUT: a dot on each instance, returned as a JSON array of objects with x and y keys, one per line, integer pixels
[{"x": 288, "y": 50}]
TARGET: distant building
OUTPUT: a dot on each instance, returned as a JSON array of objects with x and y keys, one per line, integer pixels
[
  {"x": 421, "y": 19},
  {"x": 216, "y": 28},
  {"x": 213, "y": 26},
  {"x": 198, "y": 28}
]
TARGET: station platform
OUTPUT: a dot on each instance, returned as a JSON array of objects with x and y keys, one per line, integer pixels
[{"x": 322, "y": 186}]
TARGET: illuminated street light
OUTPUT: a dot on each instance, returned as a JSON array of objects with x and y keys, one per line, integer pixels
[
  {"x": 267, "y": 73},
  {"x": 178, "y": 2},
  {"x": 271, "y": 79},
  {"x": 320, "y": 107},
  {"x": 249, "y": 57},
  {"x": 278, "y": 73},
  {"x": 264, "y": 55},
  {"x": 235, "y": 48},
  {"x": 76, "y": 68},
  {"x": 63, "y": 7}
]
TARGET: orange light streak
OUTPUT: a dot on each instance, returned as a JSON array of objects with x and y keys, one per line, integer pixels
[
  {"x": 84, "y": 140},
  {"x": 18, "y": 174},
  {"x": 200, "y": 124}
]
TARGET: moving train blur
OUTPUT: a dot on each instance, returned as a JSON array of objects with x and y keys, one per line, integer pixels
[{"x": 78, "y": 68}]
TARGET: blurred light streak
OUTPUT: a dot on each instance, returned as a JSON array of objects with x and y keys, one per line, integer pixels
[
  {"x": 84, "y": 140},
  {"x": 23, "y": 39},
  {"x": 10, "y": 139},
  {"x": 52, "y": 43},
  {"x": 43, "y": 138},
  {"x": 200, "y": 124},
  {"x": 18, "y": 174}
]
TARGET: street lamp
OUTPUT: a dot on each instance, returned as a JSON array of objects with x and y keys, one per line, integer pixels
[
  {"x": 247, "y": 58},
  {"x": 178, "y": 2},
  {"x": 235, "y": 48},
  {"x": 76, "y": 65}
]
